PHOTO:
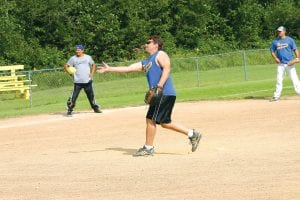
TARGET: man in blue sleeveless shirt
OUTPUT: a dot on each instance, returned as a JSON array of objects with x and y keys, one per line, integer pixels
[
  {"x": 282, "y": 50},
  {"x": 158, "y": 69}
]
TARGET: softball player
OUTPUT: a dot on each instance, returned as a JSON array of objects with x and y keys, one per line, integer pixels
[
  {"x": 282, "y": 51},
  {"x": 83, "y": 78},
  {"x": 158, "y": 69}
]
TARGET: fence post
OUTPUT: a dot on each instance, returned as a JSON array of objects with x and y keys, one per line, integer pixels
[
  {"x": 245, "y": 65},
  {"x": 30, "y": 88},
  {"x": 198, "y": 71}
]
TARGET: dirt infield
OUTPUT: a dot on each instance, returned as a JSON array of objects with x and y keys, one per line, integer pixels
[{"x": 250, "y": 150}]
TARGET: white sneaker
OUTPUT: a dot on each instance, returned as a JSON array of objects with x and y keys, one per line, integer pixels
[
  {"x": 275, "y": 99},
  {"x": 194, "y": 140}
]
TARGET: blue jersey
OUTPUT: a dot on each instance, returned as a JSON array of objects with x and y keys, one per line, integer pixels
[
  {"x": 154, "y": 72},
  {"x": 284, "y": 49}
]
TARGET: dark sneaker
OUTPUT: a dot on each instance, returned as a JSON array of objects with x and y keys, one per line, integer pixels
[
  {"x": 69, "y": 113},
  {"x": 275, "y": 99},
  {"x": 144, "y": 152},
  {"x": 194, "y": 140},
  {"x": 97, "y": 110}
]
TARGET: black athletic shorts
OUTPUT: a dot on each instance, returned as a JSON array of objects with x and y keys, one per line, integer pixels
[{"x": 161, "y": 113}]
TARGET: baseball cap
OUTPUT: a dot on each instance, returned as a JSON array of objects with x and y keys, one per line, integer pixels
[
  {"x": 281, "y": 28},
  {"x": 79, "y": 46}
]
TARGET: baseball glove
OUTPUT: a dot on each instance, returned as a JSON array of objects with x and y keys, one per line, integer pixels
[
  {"x": 154, "y": 95},
  {"x": 293, "y": 62}
]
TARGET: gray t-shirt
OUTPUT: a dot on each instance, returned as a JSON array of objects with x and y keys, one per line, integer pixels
[{"x": 83, "y": 67}]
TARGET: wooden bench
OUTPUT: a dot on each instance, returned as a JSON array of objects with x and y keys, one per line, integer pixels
[
  {"x": 10, "y": 81},
  {"x": 11, "y": 78}
]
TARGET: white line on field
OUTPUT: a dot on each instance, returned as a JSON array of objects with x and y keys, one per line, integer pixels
[{"x": 251, "y": 92}]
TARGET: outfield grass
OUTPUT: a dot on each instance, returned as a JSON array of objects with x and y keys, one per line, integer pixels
[{"x": 217, "y": 84}]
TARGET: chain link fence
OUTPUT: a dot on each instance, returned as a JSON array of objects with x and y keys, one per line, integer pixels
[{"x": 191, "y": 72}]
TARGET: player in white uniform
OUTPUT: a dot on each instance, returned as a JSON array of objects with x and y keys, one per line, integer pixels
[{"x": 282, "y": 50}]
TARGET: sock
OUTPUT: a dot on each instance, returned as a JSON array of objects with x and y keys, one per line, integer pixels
[
  {"x": 148, "y": 147},
  {"x": 191, "y": 133}
]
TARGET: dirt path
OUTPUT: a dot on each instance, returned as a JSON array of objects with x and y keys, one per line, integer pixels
[{"x": 250, "y": 150}]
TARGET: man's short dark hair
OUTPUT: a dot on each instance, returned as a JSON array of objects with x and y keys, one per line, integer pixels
[{"x": 157, "y": 40}]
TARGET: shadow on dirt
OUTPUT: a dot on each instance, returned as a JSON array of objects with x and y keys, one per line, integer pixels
[
  {"x": 257, "y": 97},
  {"x": 130, "y": 152}
]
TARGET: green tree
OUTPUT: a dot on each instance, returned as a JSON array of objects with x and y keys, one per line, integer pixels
[
  {"x": 244, "y": 18},
  {"x": 282, "y": 12},
  {"x": 43, "y": 33},
  {"x": 190, "y": 20},
  {"x": 12, "y": 42},
  {"x": 248, "y": 16}
]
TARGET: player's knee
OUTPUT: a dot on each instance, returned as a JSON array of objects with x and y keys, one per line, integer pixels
[{"x": 165, "y": 125}]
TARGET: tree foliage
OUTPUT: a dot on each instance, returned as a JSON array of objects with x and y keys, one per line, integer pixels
[{"x": 42, "y": 34}]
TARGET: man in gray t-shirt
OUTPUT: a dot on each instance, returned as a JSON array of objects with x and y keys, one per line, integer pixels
[{"x": 83, "y": 78}]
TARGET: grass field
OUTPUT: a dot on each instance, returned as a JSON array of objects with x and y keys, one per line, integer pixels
[{"x": 217, "y": 84}]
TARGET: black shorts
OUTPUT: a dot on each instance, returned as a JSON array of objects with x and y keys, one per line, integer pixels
[{"x": 161, "y": 113}]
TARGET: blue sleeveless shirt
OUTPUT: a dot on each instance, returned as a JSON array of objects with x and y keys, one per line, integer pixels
[{"x": 154, "y": 72}]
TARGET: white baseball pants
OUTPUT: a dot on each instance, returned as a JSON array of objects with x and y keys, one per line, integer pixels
[{"x": 291, "y": 70}]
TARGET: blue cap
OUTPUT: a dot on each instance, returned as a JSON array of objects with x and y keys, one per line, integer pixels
[{"x": 79, "y": 46}]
